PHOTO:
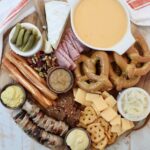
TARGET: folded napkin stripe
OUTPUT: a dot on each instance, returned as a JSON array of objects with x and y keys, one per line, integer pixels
[
  {"x": 138, "y": 4},
  {"x": 15, "y": 11}
]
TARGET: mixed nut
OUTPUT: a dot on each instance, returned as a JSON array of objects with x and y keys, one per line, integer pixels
[{"x": 41, "y": 62}]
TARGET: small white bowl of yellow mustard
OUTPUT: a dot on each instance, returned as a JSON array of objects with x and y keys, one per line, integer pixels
[{"x": 134, "y": 104}]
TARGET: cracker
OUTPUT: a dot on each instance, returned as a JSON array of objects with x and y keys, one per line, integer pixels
[
  {"x": 88, "y": 116},
  {"x": 112, "y": 137},
  {"x": 102, "y": 144},
  {"x": 81, "y": 125},
  {"x": 103, "y": 123},
  {"x": 96, "y": 131}
]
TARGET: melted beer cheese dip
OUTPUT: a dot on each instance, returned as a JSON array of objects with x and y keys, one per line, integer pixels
[{"x": 100, "y": 23}]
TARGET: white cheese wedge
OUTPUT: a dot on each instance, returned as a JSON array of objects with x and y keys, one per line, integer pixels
[{"x": 56, "y": 15}]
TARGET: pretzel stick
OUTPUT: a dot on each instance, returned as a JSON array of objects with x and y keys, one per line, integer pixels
[
  {"x": 42, "y": 100},
  {"x": 43, "y": 89},
  {"x": 34, "y": 73}
]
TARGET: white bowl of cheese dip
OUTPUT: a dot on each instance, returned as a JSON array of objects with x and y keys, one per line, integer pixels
[
  {"x": 102, "y": 24},
  {"x": 134, "y": 104}
]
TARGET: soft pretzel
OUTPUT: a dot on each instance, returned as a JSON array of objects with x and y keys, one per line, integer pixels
[
  {"x": 139, "y": 54},
  {"x": 82, "y": 79},
  {"x": 132, "y": 65},
  {"x": 85, "y": 72},
  {"x": 103, "y": 59},
  {"x": 118, "y": 75},
  {"x": 138, "y": 62}
]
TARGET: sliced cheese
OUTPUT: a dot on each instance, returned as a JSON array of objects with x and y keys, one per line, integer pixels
[
  {"x": 80, "y": 97},
  {"x": 110, "y": 101},
  {"x": 116, "y": 121},
  {"x": 109, "y": 114},
  {"x": 126, "y": 124},
  {"x": 97, "y": 102},
  {"x": 116, "y": 129},
  {"x": 92, "y": 97},
  {"x": 56, "y": 15}
]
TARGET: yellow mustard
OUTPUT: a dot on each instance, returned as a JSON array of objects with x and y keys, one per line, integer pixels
[{"x": 13, "y": 96}]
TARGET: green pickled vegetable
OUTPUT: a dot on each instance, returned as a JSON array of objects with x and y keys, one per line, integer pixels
[
  {"x": 20, "y": 37},
  {"x": 30, "y": 43},
  {"x": 37, "y": 38},
  {"x": 16, "y": 33},
  {"x": 26, "y": 36},
  {"x": 34, "y": 31}
]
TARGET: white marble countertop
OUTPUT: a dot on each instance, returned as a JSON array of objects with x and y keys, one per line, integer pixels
[{"x": 13, "y": 138}]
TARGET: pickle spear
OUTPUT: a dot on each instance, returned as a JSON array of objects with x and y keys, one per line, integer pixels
[
  {"x": 15, "y": 35},
  {"x": 26, "y": 36},
  {"x": 19, "y": 42},
  {"x": 30, "y": 43}
]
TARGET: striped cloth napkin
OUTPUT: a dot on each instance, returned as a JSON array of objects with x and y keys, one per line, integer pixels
[
  {"x": 139, "y": 11},
  {"x": 10, "y": 14}
]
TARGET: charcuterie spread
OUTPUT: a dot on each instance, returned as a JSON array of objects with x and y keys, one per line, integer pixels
[{"x": 69, "y": 96}]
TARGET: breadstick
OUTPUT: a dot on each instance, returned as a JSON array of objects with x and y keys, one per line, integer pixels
[
  {"x": 31, "y": 78},
  {"x": 34, "y": 73},
  {"x": 42, "y": 100}
]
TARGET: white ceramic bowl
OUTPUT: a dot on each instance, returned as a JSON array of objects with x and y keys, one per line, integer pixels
[
  {"x": 119, "y": 104},
  {"x": 32, "y": 51},
  {"x": 119, "y": 47}
]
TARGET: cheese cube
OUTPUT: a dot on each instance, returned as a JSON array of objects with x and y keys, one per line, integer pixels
[
  {"x": 97, "y": 102},
  {"x": 116, "y": 129},
  {"x": 110, "y": 101},
  {"x": 109, "y": 114},
  {"x": 80, "y": 97},
  {"x": 126, "y": 124},
  {"x": 116, "y": 121}
]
